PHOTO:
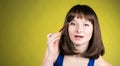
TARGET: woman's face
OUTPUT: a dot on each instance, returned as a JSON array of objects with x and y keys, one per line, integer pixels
[{"x": 80, "y": 31}]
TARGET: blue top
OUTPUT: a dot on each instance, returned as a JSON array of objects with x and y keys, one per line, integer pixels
[{"x": 59, "y": 61}]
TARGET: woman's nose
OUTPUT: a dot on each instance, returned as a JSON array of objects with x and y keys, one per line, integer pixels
[{"x": 79, "y": 29}]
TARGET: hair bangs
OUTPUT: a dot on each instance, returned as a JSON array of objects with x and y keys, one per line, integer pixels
[{"x": 81, "y": 15}]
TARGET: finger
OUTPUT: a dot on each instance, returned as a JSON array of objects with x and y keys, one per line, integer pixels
[
  {"x": 54, "y": 41},
  {"x": 54, "y": 36},
  {"x": 49, "y": 35}
]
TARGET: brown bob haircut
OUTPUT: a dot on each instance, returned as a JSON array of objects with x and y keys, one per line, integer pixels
[{"x": 95, "y": 47}]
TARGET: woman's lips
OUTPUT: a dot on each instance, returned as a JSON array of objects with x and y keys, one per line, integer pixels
[{"x": 78, "y": 37}]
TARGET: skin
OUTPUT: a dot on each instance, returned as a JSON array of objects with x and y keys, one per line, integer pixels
[
  {"x": 80, "y": 32},
  {"x": 79, "y": 27},
  {"x": 52, "y": 49}
]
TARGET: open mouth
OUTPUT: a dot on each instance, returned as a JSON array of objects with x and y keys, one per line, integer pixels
[{"x": 79, "y": 37}]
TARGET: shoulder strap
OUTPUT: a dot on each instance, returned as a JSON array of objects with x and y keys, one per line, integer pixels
[
  {"x": 59, "y": 61},
  {"x": 91, "y": 62}
]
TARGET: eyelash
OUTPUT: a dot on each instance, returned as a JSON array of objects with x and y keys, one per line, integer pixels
[
  {"x": 75, "y": 24},
  {"x": 72, "y": 23},
  {"x": 86, "y": 25}
]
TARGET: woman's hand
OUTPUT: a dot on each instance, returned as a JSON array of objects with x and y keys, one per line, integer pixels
[
  {"x": 52, "y": 50},
  {"x": 52, "y": 42}
]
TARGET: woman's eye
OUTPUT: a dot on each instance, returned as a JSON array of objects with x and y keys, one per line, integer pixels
[
  {"x": 86, "y": 25},
  {"x": 72, "y": 23}
]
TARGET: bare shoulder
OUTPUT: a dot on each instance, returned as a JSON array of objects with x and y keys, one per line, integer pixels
[{"x": 101, "y": 62}]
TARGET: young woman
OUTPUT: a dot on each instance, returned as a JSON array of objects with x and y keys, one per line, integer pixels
[{"x": 78, "y": 43}]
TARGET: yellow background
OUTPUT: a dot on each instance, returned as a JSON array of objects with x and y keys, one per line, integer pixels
[{"x": 24, "y": 25}]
